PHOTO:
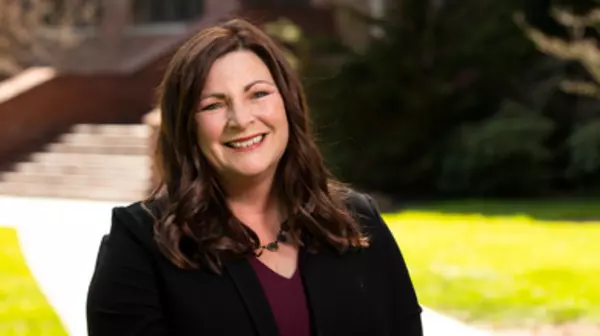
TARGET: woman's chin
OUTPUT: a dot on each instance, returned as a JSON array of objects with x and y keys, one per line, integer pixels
[{"x": 250, "y": 171}]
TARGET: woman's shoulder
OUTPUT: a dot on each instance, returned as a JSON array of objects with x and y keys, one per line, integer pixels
[
  {"x": 133, "y": 223},
  {"x": 366, "y": 213},
  {"x": 362, "y": 206}
]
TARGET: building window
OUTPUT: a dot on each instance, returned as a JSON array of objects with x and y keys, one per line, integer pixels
[
  {"x": 166, "y": 11},
  {"x": 260, "y": 4}
]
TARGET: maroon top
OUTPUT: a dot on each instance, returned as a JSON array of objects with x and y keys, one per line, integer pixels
[{"x": 286, "y": 298}]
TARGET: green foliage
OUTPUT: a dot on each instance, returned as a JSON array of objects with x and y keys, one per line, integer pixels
[
  {"x": 502, "y": 154},
  {"x": 584, "y": 150},
  {"x": 384, "y": 115}
]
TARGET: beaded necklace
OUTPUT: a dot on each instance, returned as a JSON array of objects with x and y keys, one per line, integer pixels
[{"x": 274, "y": 245}]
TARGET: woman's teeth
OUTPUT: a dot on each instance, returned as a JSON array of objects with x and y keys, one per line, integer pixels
[{"x": 247, "y": 143}]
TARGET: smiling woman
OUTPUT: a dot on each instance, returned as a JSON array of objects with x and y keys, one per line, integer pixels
[
  {"x": 248, "y": 234},
  {"x": 242, "y": 111}
]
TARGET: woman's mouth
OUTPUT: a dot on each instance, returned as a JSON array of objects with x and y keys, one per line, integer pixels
[{"x": 246, "y": 144}]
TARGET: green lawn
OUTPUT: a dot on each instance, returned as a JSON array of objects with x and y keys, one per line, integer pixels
[
  {"x": 23, "y": 309},
  {"x": 576, "y": 209},
  {"x": 502, "y": 270}
]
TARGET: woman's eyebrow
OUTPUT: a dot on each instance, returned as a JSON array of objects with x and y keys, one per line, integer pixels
[
  {"x": 213, "y": 95},
  {"x": 246, "y": 88},
  {"x": 251, "y": 84}
]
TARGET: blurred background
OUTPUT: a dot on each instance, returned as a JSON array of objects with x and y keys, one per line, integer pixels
[{"x": 474, "y": 123}]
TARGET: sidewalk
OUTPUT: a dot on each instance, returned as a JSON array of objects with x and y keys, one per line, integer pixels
[{"x": 60, "y": 248}]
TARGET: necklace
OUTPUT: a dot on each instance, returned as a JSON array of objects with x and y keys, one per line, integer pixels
[{"x": 274, "y": 245}]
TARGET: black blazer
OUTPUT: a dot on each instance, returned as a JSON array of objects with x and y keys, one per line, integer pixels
[{"x": 135, "y": 290}]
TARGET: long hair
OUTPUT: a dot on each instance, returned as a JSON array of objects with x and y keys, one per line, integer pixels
[{"x": 194, "y": 226}]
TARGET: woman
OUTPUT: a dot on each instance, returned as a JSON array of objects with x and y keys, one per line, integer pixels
[{"x": 247, "y": 234}]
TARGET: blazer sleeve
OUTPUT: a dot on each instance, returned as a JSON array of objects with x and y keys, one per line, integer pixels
[
  {"x": 405, "y": 309},
  {"x": 123, "y": 297}
]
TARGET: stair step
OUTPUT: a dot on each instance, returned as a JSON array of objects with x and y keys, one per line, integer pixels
[
  {"x": 101, "y": 162},
  {"x": 76, "y": 147},
  {"x": 104, "y": 140},
  {"x": 72, "y": 168},
  {"x": 51, "y": 180},
  {"x": 78, "y": 192},
  {"x": 91, "y": 159},
  {"x": 135, "y": 130}
]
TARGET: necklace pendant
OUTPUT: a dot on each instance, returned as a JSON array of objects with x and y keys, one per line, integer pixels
[{"x": 273, "y": 246}]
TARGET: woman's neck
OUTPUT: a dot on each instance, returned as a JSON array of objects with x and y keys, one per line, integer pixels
[{"x": 255, "y": 203}]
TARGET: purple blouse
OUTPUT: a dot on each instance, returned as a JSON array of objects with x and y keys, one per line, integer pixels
[{"x": 286, "y": 298}]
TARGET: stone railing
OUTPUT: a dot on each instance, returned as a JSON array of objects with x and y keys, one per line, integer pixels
[{"x": 24, "y": 81}]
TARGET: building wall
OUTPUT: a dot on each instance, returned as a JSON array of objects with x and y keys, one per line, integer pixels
[{"x": 37, "y": 116}]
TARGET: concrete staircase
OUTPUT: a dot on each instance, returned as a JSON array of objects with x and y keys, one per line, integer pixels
[{"x": 97, "y": 162}]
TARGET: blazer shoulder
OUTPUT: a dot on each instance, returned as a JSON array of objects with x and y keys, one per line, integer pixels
[
  {"x": 367, "y": 213},
  {"x": 124, "y": 291},
  {"x": 136, "y": 221},
  {"x": 362, "y": 205}
]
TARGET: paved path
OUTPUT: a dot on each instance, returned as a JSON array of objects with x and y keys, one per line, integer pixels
[{"x": 60, "y": 238}]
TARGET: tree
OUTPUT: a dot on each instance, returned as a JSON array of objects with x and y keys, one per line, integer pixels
[
  {"x": 386, "y": 117},
  {"x": 580, "y": 46},
  {"x": 36, "y": 31}
]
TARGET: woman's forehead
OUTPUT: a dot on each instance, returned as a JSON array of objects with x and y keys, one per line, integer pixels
[{"x": 238, "y": 68}]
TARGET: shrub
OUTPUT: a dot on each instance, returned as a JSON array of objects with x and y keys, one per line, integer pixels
[
  {"x": 584, "y": 154},
  {"x": 502, "y": 155}
]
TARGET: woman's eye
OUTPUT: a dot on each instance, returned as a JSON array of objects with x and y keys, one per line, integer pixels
[
  {"x": 213, "y": 106},
  {"x": 260, "y": 94}
]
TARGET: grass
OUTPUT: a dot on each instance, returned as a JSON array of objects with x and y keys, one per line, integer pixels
[
  {"x": 503, "y": 270},
  {"x": 574, "y": 209},
  {"x": 23, "y": 309}
]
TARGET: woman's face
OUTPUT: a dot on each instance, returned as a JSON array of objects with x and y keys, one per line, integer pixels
[{"x": 241, "y": 121}]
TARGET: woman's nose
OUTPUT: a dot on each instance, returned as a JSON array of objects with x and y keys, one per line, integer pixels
[{"x": 241, "y": 115}]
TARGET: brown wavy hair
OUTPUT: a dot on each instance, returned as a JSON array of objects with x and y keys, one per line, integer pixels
[{"x": 194, "y": 226}]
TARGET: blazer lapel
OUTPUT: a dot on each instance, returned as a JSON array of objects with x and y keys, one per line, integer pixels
[
  {"x": 253, "y": 296},
  {"x": 337, "y": 291}
]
